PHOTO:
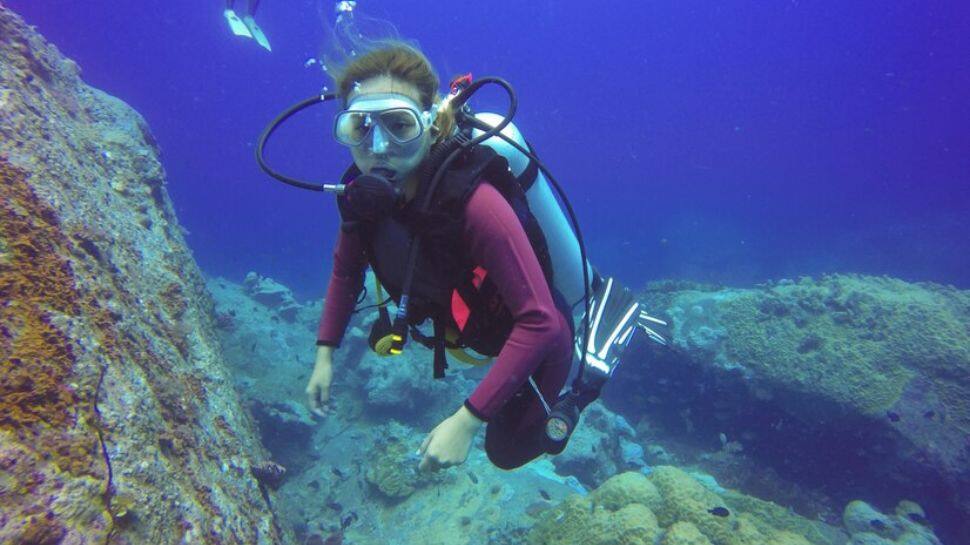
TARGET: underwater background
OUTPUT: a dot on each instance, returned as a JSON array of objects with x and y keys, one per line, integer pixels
[
  {"x": 787, "y": 183},
  {"x": 728, "y": 142}
]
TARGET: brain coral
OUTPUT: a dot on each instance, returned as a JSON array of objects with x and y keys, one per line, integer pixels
[
  {"x": 626, "y": 488},
  {"x": 684, "y": 533},
  {"x": 580, "y": 521},
  {"x": 670, "y": 507}
]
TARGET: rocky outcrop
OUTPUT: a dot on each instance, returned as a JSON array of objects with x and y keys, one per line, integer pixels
[
  {"x": 860, "y": 384},
  {"x": 273, "y": 295},
  {"x": 118, "y": 423}
]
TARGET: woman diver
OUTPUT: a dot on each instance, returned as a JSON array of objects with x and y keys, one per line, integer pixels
[
  {"x": 390, "y": 122},
  {"x": 484, "y": 273},
  {"x": 455, "y": 216}
]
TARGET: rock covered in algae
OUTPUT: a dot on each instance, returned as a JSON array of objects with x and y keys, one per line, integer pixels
[
  {"x": 858, "y": 341},
  {"x": 391, "y": 475},
  {"x": 117, "y": 419},
  {"x": 858, "y": 517},
  {"x": 391, "y": 470},
  {"x": 906, "y": 525},
  {"x": 879, "y": 365}
]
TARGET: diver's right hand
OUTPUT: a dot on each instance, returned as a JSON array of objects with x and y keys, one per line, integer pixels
[{"x": 318, "y": 388}]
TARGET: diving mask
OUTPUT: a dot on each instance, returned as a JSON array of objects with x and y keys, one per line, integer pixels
[{"x": 396, "y": 118}]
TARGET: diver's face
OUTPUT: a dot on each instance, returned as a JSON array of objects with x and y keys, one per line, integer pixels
[{"x": 379, "y": 153}]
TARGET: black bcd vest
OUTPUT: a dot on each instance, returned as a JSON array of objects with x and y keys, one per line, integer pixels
[{"x": 448, "y": 286}]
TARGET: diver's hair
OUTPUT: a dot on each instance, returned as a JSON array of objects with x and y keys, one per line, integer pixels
[{"x": 401, "y": 61}]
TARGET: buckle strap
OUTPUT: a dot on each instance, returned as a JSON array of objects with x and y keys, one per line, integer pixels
[{"x": 440, "y": 360}]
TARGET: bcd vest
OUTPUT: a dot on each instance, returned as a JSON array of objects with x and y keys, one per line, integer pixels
[{"x": 448, "y": 286}]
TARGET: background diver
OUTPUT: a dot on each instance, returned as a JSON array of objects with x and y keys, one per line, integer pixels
[{"x": 246, "y": 25}]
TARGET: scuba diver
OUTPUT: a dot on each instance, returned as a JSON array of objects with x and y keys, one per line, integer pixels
[
  {"x": 457, "y": 219},
  {"x": 246, "y": 25}
]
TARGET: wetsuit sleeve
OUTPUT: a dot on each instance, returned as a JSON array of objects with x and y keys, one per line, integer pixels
[
  {"x": 498, "y": 243},
  {"x": 346, "y": 281}
]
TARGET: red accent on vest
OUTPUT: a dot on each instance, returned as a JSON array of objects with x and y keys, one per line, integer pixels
[{"x": 459, "y": 308}]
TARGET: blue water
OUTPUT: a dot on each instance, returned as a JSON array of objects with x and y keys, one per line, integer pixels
[{"x": 723, "y": 143}]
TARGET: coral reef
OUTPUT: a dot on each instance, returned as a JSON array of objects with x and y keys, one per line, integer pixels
[
  {"x": 626, "y": 488},
  {"x": 677, "y": 508},
  {"x": 684, "y": 533},
  {"x": 578, "y": 520},
  {"x": 681, "y": 510},
  {"x": 878, "y": 366},
  {"x": 359, "y": 482},
  {"x": 116, "y": 425}
]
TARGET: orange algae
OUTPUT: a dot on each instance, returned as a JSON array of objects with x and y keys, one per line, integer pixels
[
  {"x": 36, "y": 359},
  {"x": 42, "y": 397},
  {"x": 42, "y": 529},
  {"x": 49, "y": 384}
]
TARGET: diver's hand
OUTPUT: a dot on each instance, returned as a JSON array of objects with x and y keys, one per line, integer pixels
[
  {"x": 449, "y": 442},
  {"x": 318, "y": 388}
]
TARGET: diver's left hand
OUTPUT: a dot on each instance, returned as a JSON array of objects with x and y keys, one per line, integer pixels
[{"x": 449, "y": 442}]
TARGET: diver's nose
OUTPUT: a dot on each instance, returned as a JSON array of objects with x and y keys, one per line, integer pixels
[{"x": 379, "y": 140}]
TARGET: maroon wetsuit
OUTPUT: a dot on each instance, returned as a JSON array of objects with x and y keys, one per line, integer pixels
[{"x": 540, "y": 344}]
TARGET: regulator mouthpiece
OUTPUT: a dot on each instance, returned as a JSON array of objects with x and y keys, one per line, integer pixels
[{"x": 371, "y": 197}]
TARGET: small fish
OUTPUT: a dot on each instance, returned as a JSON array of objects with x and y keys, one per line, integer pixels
[
  {"x": 892, "y": 416},
  {"x": 536, "y": 509},
  {"x": 473, "y": 477},
  {"x": 918, "y": 519},
  {"x": 877, "y": 524},
  {"x": 335, "y": 506},
  {"x": 315, "y": 485},
  {"x": 929, "y": 414},
  {"x": 545, "y": 495},
  {"x": 719, "y": 511},
  {"x": 348, "y": 520},
  {"x": 339, "y": 474}
]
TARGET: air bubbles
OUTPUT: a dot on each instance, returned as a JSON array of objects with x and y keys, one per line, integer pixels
[{"x": 345, "y": 7}]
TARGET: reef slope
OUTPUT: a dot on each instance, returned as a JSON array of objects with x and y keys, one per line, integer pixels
[{"x": 118, "y": 422}]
